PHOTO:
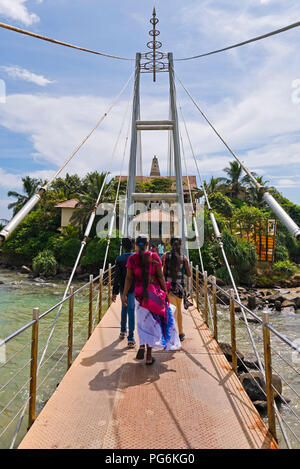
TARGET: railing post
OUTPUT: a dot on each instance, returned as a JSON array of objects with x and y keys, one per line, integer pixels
[
  {"x": 197, "y": 287},
  {"x": 33, "y": 366},
  {"x": 70, "y": 328},
  {"x": 205, "y": 298},
  {"x": 232, "y": 328},
  {"x": 268, "y": 373},
  {"x": 215, "y": 314},
  {"x": 192, "y": 281},
  {"x": 109, "y": 287},
  {"x": 100, "y": 295},
  {"x": 91, "y": 306}
]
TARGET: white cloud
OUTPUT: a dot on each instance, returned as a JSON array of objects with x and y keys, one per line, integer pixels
[
  {"x": 22, "y": 74},
  {"x": 287, "y": 183},
  {"x": 8, "y": 180},
  {"x": 17, "y": 10}
]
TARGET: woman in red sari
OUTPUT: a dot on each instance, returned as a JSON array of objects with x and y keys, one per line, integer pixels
[{"x": 155, "y": 331}]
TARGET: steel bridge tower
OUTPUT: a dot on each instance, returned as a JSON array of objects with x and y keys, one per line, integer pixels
[{"x": 154, "y": 62}]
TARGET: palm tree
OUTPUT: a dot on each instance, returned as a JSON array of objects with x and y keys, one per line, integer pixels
[
  {"x": 235, "y": 180},
  {"x": 92, "y": 184},
  {"x": 214, "y": 185},
  {"x": 256, "y": 197},
  {"x": 30, "y": 186}
]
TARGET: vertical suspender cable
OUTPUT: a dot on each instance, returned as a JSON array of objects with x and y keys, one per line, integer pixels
[
  {"x": 219, "y": 240},
  {"x": 83, "y": 244},
  {"x": 218, "y": 236},
  {"x": 19, "y": 217},
  {"x": 269, "y": 199}
]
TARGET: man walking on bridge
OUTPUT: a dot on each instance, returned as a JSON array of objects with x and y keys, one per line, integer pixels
[{"x": 118, "y": 287}]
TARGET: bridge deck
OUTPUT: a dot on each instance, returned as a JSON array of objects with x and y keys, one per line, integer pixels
[{"x": 187, "y": 399}]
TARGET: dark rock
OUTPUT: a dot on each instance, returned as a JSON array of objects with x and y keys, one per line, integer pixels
[
  {"x": 261, "y": 407},
  {"x": 288, "y": 304},
  {"x": 39, "y": 280},
  {"x": 223, "y": 299},
  {"x": 220, "y": 282},
  {"x": 250, "y": 319},
  {"x": 1, "y": 282},
  {"x": 254, "y": 385},
  {"x": 227, "y": 350},
  {"x": 250, "y": 361},
  {"x": 277, "y": 305},
  {"x": 25, "y": 269},
  {"x": 251, "y": 302},
  {"x": 276, "y": 297}
]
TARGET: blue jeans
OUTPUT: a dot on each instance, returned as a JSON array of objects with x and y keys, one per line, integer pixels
[{"x": 128, "y": 310}]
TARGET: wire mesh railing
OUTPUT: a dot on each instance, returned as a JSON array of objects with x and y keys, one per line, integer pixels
[
  {"x": 26, "y": 381},
  {"x": 275, "y": 389}
]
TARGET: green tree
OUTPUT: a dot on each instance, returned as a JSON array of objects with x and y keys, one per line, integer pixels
[
  {"x": 235, "y": 179},
  {"x": 221, "y": 203},
  {"x": 30, "y": 186},
  {"x": 249, "y": 220},
  {"x": 92, "y": 183},
  {"x": 69, "y": 187}
]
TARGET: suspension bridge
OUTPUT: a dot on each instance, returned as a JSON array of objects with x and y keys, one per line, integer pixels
[{"x": 192, "y": 398}]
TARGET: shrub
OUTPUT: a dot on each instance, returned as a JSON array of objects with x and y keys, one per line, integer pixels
[
  {"x": 281, "y": 252},
  {"x": 45, "y": 264},
  {"x": 95, "y": 253},
  {"x": 222, "y": 273},
  {"x": 69, "y": 252},
  {"x": 285, "y": 267},
  {"x": 221, "y": 203}
]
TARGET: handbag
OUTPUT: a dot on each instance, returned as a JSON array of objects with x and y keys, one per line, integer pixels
[{"x": 156, "y": 301}]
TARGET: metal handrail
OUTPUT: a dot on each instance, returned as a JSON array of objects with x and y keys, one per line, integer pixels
[
  {"x": 34, "y": 325},
  {"x": 271, "y": 328},
  {"x": 273, "y": 411},
  {"x": 29, "y": 324}
]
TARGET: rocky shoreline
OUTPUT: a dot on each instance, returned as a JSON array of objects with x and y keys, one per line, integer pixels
[
  {"x": 252, "y": 379},
  {"x": 276, "y": 298}
]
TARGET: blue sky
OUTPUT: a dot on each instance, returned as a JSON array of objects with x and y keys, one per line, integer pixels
[{"x": 55, "y": 95}]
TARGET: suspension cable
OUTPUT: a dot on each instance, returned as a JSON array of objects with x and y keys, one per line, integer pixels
[
  {"x": 85, "y": 237},
  {"x": 54, "y": 41},
  {"x": 218, "y": 236},
  {"x": 254, "y": 39},
  {"x": 19, "y": 217},
  {"x": 268, "y": 198},
  {"x": 219, "y": 240},
  {"x": 116, "y": 201},
  {"x": 83, "y": 244},
  {"x": 194, "y": 218}
]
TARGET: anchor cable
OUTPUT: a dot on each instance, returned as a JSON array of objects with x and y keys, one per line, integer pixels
[
  {"x": 254, "y": 39},
  {"x": 54, "y": 41}
]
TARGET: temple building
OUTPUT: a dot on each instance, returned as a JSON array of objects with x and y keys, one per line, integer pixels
[{"x": 155, "y": 173}]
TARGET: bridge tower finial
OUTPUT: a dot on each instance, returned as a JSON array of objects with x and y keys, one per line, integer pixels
[{"x": 155, "y": 59}]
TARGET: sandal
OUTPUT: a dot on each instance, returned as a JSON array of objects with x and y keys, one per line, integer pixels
[
  {"x": 141, "y": 353},
  {"x": 151, "y": 363}
]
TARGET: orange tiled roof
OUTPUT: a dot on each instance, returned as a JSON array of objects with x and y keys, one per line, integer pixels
[{"x": 68, "y": 204}]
